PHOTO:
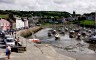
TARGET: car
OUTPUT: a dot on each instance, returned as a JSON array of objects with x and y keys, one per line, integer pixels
[
  {"x": 93, "y": 38},
  {"x": 2, "y": 34},
  {"x": 10, "y": 41},
  {"x": 7, "y": 36}
]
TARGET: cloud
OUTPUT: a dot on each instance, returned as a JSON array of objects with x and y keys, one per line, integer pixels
[
  {"x": 80, "y": 6},
  {"x": 7, "y": 1}
]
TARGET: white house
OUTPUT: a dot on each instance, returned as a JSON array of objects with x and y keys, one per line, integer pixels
[{"x": 20, "y": 23}]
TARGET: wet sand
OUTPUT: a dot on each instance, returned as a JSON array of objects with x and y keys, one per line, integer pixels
[
  {"x": 85, "y": 54},
  {"x": 78, "y": 56}
]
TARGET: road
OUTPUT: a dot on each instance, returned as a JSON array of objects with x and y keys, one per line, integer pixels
[
  {"x": 2, "y": 50},
  {"x": 2, "y": 45}
]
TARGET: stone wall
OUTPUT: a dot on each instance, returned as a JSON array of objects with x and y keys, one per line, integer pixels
[{"x": 28, "y": 32}]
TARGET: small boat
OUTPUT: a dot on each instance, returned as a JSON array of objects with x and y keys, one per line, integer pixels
[
  {"x": 35, "y": 40},
  {"x": 92, "y": 38},
  {"x": 57, "y": 37},
  {"x": 49, "y": 34}
]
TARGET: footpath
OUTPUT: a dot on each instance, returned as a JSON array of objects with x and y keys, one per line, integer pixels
[{"x": 37, "y": 52}]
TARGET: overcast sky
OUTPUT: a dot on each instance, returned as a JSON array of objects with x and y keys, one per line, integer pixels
[{"x": 80, "y": 6}]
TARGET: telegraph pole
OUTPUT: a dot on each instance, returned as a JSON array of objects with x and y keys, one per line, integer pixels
[{"x": 95, "y": 22}]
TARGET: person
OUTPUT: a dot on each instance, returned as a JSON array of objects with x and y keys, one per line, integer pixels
[
  {"x": 15, "y": 34},
  {"x": 17, "y": 41},
  {"x": 78, "y": 36},
  {"x": 8, "y": 51}
]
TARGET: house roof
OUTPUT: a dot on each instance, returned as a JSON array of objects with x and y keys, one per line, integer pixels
[
  {"x": 12, "y": 20},
  {"x": 23, "y": 19},
  {"x": 4, "y": 20}
]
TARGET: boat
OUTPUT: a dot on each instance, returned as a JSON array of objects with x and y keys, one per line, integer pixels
[
  {"x": 35, "y": 40},
  {"x": 92, "y": 38}
]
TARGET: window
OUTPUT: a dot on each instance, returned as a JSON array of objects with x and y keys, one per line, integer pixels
[{"x": 1, "y": 24}]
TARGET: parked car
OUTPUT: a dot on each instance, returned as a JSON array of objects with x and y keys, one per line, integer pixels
[
  {"x": 2, "y": 34},
  {"x": 10, "y": 41},
  {"x": 7, "y": 36}
]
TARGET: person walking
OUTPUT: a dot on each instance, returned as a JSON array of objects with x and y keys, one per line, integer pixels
[{"x": 8, "y": 51}]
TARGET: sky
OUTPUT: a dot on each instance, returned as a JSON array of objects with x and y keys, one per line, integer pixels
[{"x": 80, "y": 6}]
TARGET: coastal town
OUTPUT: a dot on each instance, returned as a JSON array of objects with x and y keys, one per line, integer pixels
[{"x": 47, "y": 35}]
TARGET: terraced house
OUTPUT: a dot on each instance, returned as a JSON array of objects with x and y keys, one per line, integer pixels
[{"x": 4, "y": 24}]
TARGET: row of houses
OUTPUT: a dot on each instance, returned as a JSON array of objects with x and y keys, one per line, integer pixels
[
  {"x": 6, "y": 24},
  {"x": 85, "y": 16},
  {"x": 72, "y": 17}
]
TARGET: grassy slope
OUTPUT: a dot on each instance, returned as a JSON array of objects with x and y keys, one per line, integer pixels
[
  {"x": 87, "y": 22},
  {"x": 3, "y": 16}
]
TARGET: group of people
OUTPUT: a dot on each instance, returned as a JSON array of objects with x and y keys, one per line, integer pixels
[
  {"x": 8, "y": 48},
  {"x": 17, "y": 42}
]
